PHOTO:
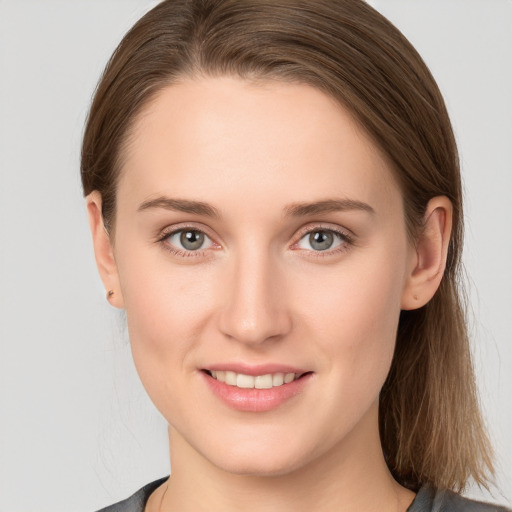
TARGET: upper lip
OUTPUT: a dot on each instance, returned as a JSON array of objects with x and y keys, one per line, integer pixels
[{"x": 255, "y": 370}]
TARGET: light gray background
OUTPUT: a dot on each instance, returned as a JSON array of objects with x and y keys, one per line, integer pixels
[{"x": 76, "y": 429}]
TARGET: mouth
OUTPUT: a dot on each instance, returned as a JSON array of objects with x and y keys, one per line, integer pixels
[
  {"x": 256, "y": 388},
  {"x": 244, "y": 381}
]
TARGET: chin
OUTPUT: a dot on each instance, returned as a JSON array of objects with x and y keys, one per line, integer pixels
[
  {"x": 267, "y": 468},
  {"x": 261, "y": 461}
]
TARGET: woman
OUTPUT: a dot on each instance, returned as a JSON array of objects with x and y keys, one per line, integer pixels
[{"x": 274, "y": 197}]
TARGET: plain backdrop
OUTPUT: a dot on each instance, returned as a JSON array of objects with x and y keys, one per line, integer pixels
[{"x": 76, "y": 429}]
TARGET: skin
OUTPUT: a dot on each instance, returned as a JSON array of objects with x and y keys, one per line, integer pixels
[{"x": 260, "y": 292}]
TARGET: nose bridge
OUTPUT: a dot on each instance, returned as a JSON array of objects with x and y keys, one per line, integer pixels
[{"x": 255, "y": 309}]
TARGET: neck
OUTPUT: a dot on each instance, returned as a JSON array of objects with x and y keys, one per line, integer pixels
[{"x": 351, "y": 476}]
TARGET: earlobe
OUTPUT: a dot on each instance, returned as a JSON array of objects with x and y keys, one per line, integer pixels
[
  {"x": 103, "y": 250},
  {"x": 429, "y": 259}
]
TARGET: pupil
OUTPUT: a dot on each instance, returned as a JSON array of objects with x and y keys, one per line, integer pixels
[
  {"x": 321, "y": 240},
  {"x": 192, "y": 240}
]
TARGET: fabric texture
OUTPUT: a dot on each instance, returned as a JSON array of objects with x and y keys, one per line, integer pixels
[
  {"x": 136, "y": 502},
  {"x": 427, "y": 500},
  {"x": 442, "y": 500}
]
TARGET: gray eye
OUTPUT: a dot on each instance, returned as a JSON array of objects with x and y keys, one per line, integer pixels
[
  {"x": 321, "y": 240},
  {"x": 191, "y": 240}
]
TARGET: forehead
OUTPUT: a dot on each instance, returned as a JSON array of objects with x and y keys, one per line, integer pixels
[{"x": 282, "y": 140}]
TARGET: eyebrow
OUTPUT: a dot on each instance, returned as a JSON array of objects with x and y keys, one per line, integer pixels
[
  {"x": 181, "y": 205},
  {"x": 292, "y": 210},
  {"x": 326, "y": 206}
]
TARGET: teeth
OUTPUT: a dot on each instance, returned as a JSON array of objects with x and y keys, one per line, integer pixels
[
  {"x": 263, "y": 381},
  {"x": 278, "y": 379},
  {"x": 243, "y": 381},
  {"x": 230, "y": 378},
  {"x": 289, "y": 377}
]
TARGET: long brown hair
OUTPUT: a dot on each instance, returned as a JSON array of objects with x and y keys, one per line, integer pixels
[{"x": 431, "y": 427}]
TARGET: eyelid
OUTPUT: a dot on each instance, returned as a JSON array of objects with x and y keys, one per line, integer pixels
[
  {"x": 174, "y": 228},
  {"x": 169, "y": 231},
  {"x": 347, "y": 239},
  {"x": 343, "y": 232}
]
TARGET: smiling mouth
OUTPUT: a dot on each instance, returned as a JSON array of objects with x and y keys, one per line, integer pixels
[{"x": 267, "y": 381}]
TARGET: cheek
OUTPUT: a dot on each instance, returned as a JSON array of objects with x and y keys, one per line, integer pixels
[
  {"x": 356, "y": 317},
  {"x": 166, "y": 309}
]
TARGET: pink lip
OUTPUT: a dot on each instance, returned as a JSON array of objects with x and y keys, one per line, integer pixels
[{"x": 255, "y": 400}]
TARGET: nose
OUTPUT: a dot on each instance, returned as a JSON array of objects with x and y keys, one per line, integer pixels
[{"x": 255, "y": 308}]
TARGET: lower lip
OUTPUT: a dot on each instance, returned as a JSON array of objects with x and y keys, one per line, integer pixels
[{"x": 256, "y": 400}]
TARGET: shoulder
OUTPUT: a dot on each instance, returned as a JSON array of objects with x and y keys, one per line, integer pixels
[
  {"x": 443, "y": 500},
  {"x": 136, "y": 502}
]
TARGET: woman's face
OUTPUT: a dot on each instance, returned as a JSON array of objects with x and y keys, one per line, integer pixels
[{"x": 260, "y": 234}]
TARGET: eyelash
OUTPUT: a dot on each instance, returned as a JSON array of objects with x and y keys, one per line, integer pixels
[
  {"x": 345, "y": 237},
  {"x": 179, "y": 252}
]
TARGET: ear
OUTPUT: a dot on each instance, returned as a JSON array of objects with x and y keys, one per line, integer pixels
[
  {"x": 429, "y": 257},
  {"x": 103, "y": 250}
]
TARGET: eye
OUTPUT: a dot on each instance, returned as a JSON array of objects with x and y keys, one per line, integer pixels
[
  {"x": 321, "y": 240},
  {"x": 188, "y": 240}
]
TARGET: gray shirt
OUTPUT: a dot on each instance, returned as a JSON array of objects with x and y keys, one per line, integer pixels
[{"x": 427, "y": 500}]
